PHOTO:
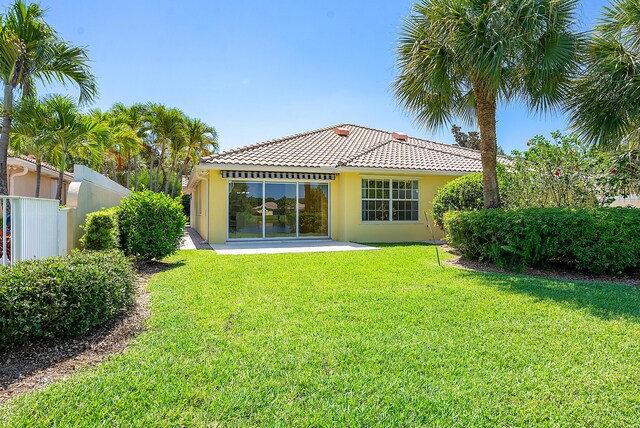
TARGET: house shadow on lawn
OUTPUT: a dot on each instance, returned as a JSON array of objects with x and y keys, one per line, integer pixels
[
  {"x": 38, "y": 363},
  {"x": 605, "y": 300}
]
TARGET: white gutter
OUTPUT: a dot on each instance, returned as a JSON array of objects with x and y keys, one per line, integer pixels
[{"x": 12, "y": 187}]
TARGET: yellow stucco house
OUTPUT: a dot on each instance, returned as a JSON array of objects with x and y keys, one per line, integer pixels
[
  {"x": 344, "y": 182},
  {"x": 21, "y": 174}
]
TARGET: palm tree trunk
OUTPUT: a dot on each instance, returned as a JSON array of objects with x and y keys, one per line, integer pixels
[
  {"x": 63, "y": 165},
  {"x": 128, "y": 172},
  {"x": 486, "y": 111},
  {"x": 153, "y": 152},
  {"x": 173, "y": 166},
  {"x": 179, "y": 180},
  {"x": 135, "y": 173},
  {"x": 38, "y": 177},
  {"x": 7, "y": 107},
  {"x": 160, "y": 159}
]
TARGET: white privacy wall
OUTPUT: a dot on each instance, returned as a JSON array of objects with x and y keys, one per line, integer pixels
[{"x": 88, "y": 192}]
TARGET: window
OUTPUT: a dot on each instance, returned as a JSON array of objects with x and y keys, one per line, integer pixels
[{"x": 390, "y": 200}]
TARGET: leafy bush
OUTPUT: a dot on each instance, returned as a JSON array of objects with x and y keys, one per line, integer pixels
[
  {"x": 101, "y": 230},
  {"x": 63, "y": 296},
  {"x": 462, "y": 194},
  {"x": 151, "y": 225},
  {"x": 563, "y": 172},
  {"x": 598, "y": 240}
]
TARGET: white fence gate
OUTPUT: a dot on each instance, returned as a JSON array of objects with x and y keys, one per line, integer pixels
[{"x": 35, "y": 229}]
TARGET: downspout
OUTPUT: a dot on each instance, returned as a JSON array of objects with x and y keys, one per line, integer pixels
[
  {"x": 207, "y": 208},
  {"x": 12, "y": 188}
]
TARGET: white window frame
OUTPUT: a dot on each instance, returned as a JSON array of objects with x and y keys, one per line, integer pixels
[{"x": 390, "y": 200}]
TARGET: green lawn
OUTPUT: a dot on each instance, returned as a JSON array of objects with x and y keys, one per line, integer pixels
[{"x": 360, "y": 338}]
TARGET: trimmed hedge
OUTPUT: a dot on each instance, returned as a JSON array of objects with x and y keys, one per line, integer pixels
[
  {"x": 462, "y": 194},
  {"x": 63, "y": 296},
  {"x": 597, "y": 240},
  {"x": 151, "y": 225},
  {"x": 101, "y": 230}
]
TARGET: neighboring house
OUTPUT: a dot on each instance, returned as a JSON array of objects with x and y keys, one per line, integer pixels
[
  {"x": 22, "y": 179},
  {"x": 350, "y": 182}
]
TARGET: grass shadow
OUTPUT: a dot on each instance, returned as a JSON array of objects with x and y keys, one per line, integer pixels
[{"x": 608, "y": 301}]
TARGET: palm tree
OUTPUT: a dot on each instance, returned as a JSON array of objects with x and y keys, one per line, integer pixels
[
  {"x": 28, "y": 134},
  {"x": 31, "y": 51},
  {"x": 201, "y": 140},
  {"x": 460, "y": 58},
  {"x": 604, "y": 106},
  {"x": 167, "y": 125},
  {"x": 71, "y": 133}
]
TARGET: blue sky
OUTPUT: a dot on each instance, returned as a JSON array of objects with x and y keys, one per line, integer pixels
[{"x": 258, "y": 70}]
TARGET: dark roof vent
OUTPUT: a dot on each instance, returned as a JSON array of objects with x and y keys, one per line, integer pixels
[
  {"x": 399, "y": 136},
  {"x": 343, "y": 132}
]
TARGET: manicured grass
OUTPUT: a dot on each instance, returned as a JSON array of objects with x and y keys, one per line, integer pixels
[{"x": 360, "y": 338}]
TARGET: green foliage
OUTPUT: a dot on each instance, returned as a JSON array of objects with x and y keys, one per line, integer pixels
[
  {"x": 598, "y": 240},
  {"x": 151, "y": 225},
  {"x": 185, "y": 200},
  {"x": 603, "y": 105},
  {"x": 462, "y": 194},
  {"x": 101, "y": 230},
  {"x": 563, "y": 172},
  {"x": 63, "y": 296}
]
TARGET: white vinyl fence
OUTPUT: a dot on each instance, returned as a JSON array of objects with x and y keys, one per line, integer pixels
[{"x": 34, "y": 229}]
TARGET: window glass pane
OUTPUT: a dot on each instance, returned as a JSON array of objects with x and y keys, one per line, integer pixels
[
  {"x": 405, "y": 210},
  {"x": 280, "y": 209},
  {"x": 313, "y": 206},
  {"x": 245, "y": 210}
]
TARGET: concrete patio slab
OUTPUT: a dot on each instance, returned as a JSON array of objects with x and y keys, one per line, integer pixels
[{"x": 279, "y": 247}]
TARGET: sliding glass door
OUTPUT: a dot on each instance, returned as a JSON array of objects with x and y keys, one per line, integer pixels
[
  {"x": 272, "y": 209},
  {"x": 313, "y": 206},
  {"x": 245, "y": 209},
  {"x": 280, "y": 210}
]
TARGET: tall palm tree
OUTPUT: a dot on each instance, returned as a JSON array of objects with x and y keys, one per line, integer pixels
[
  {"x": 31, "y": 51},
  {"x": 167, "y": 124},
  {"x": 71, "y": 133},
  {"x": 604, "y": 106},
  {"x": 201, "y": 140},
  {"x": 461, "y": 58},
  {"x": 28, "y": 134}
]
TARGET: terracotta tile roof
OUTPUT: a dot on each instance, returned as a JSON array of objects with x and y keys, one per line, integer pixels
[
  {"x": 49, "y": 167},
  {"x": 362, "y": 148}
]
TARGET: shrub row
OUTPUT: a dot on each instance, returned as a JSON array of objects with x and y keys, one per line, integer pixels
[
  {"x": 147, "y": 225},
  {"x": 598, "y": 240},
  {"x": 63, "y": 296}
]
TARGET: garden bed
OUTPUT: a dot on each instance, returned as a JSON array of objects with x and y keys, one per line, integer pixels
[
  {"x": 550, "y": 273},
  {"x": 36, "y": 364}
]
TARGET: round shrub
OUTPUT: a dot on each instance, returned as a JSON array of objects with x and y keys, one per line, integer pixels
[
  {"x": 462, "y": 194},
  {"x": 63, "y": 296},
  {"x": 101, "y": 230},
  {"x": 151, "y": 225}
]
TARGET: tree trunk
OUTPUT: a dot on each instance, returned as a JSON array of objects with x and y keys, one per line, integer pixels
[
  {"x": 153, "y": 152},
  {"x": 168, "y": 183},
  {"x": 158, "y": 168},
  {"x": 60, "y": 181},
  {"x": 38, "y": 176},
  {"x": 4, "y": 138},
  {"x": 135, "y": 173},
  {"x": 128, "y": 180},
  {"x": 179, "y": 180},
  {"x": 486, "y": 111}
]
